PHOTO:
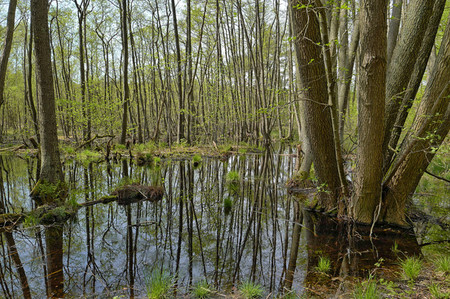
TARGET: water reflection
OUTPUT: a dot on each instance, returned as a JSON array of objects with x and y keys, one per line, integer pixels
[
  {"x": 204, "y": 228},
  {"x": 112, "y": 250}
]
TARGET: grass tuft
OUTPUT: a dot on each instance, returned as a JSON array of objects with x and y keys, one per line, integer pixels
[
  {"x": 202, "y": 290},
  {"x": 324, "y": 265},
  {"x": 366, "y": 290},
  {"x": 411, "y": 267},
  {"x": 250, "y": 290},
  {"x": 159, "y": 285}
]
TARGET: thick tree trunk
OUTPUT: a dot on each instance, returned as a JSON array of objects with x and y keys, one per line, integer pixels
[
  {"x": 429, "y": 129},
  {"x": 402, "y": 63},
  {"x": 372, "y": 82},
  {"x": 51, "y": 170},
  {"x": 416, "y": 77},
  {"x": 318, "y": 126}
]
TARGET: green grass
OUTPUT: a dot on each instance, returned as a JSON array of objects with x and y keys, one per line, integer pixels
[
  {"x": 324, "y": 265},
  {"x": 442, "y": 264},
  {"x": 202, "y": 290},
  {"x": 437, "y": 292},
  {"x": 232, "y": 177},
  {"x": 249, "y": 290},
  {"x": 411, "y": 268},
  {"x": 159, "y": 285},
  {"x": 366, "y": 290}
]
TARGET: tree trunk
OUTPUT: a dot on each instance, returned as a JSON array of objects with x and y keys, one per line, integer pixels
[
  {"x": 417, "y": 75},
  {"x": 318, "y": 126},
  {"x": 429, "y": 129},
  {"x": 372, "y": 82},
  {"x": 51, "y": 170},
  {"x": 7, "y": 46},
  {"x": 394, "y": 26},
  {"x": 126, "y": 88},
  {"x": 402, "y": 64}
]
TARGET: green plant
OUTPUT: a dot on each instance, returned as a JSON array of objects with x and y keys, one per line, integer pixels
[
  {"x": 249, "y": 290},
  {"x": 159, "y": 285},
  {"x": 394, "y": 248},
  {"x": 442, "y": 264},
  {"x": 437, "y": 292},
  {"x": 411, "y": 267},
  {"x": 227, "y": 204},
  {"x": 157, "y": 161},
  {"x": 202, "y": 290},
  {"x": 197, "y": 158},
  {"x": 232, "y": 177},
  {"x": 324, "y": 265},
  {"x": 366, "y": 290}
]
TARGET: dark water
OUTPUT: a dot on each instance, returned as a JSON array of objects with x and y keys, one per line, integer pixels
[{"x": 112, "y": 250}]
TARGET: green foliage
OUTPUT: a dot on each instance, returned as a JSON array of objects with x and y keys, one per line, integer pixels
[
  {"x": 411, "y": 267},
  {"x": 88, "y": 155},
  {"x": 324, "y": 265},
  {"x": 442, "y": 263},
  {"x": 249, "y": 290},
  {"x": 437, "y": 292},
  {"x": 157, "y": 161},
  {"x": 202, "y": 290},
  {"x": 120, "y": 147},
  {"x": 159, "y": 285},
  {"x": 148, "y": 147},
  {"x": 366, "y": 290},
  {"x": 227, "y": 204},
  {"x": 67, "y": 149},
  {"x": 196, "y": 160},
  {"x": 232, "y": 177}
]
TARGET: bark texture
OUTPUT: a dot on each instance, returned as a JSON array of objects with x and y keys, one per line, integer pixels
[
  {"x": 429, "y": 129},
  {"x": 7, "y": 46},
  {"x": 372, "y": 82},
  {"x": 403, "y": 61},
  {"x": 318, "y": 126},
  {"x": 51, "y": 170}
]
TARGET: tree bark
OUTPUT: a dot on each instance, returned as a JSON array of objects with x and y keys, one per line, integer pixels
[
  {"x": 7, "y": 46},
  {"x": 416, "y": 77},
  {"x": 372, "y": 82},
  {"x": 394, "y": 26},
  {"x": 126, "y": 88},
  {"x": 318, "y": 126},
  {"x": 51, "y": 170},
  {"x": 402, "y": 63},
  {"x": 429, "y": 129}
]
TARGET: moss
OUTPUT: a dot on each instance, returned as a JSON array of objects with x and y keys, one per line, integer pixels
[
  {"x": 51, "y": 213},
  {"x": 45, "y": 192}
]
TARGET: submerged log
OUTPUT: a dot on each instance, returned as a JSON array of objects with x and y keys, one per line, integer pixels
[{"x": 134, "y": 193}]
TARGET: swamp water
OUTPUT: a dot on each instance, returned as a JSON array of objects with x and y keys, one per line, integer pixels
[{"x": 225, "y": 222}]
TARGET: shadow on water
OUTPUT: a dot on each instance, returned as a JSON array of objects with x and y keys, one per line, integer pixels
[{"x": 207, "y": 227}]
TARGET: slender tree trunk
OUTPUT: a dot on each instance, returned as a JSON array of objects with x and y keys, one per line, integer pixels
[
  {"x": 394, "y": 26},
  {"x": 7, "y": 46},
  {"x": 126, "y": 88},
  {"x": 181, "y": 106}
]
